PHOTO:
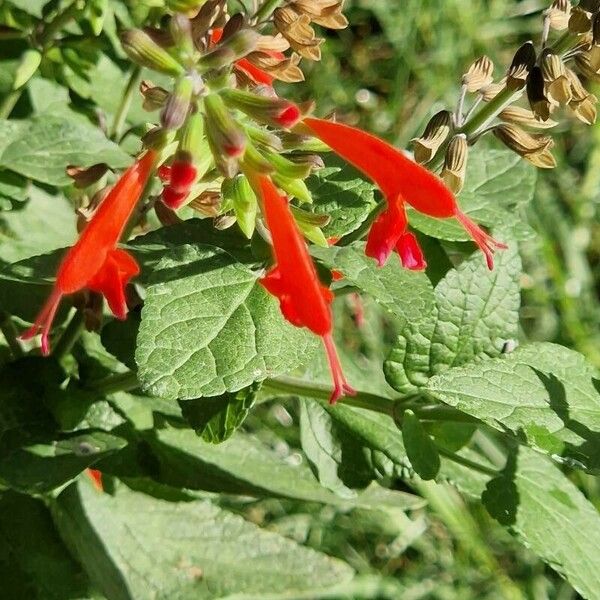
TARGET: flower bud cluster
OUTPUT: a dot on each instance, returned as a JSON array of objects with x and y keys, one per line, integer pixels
[{"x": 221, "y": 121}]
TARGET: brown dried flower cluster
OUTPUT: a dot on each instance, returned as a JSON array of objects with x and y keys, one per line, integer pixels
[{"x": 548, "y": 79}]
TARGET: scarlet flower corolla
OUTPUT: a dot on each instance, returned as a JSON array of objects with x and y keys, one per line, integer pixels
[
  {"x": 401, "y": 181},
  {"x": 95, "y": 262},
  {"x": 304, "y": 300}
]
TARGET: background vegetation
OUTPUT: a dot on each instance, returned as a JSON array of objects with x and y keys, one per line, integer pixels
[{"x": 396, "y": 65}]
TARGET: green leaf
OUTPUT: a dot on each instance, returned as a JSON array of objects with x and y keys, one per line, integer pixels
[
  {"x": 420, "y": 448},
  {"x": 551, "y": 516},
  {"x": 136, "y": 546},
  {"x": 334, "y": 455},
  {"x": 216, "y": 419},
  {"x": 475, "y": 312},
  {"x": 545, "y": 394},
  {"x": 41, "y": 225},
  {"x": 33, "y": 7},
  {"x": 343, "y": 195},
  {"x": 34, "y": 563},
  {"x": 201, "y": 303},
  {"x": 498, "y": 186},
  {"x": 405, "y": 294},
  {"x": 51, "y": 142},
  {"x": 244, "y": 465}
]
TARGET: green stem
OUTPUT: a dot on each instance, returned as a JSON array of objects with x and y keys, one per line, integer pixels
[
  {"x": 10, "y": 334},
  {"x": 9, "y": 102},
  {"x": 59, "y": 21},
  {"x": 267, "y": 9},
  {"x": 465, "y": 462},
  {"x": 125, "y": 104},
  {"x": 69, "y": 336},
  {"x": 122, "y": 382},
  {"x": 299, "y": 387}
]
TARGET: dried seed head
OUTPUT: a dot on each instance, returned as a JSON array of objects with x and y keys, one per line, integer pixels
[
  {"x": 212, "y": 14},
  {"x": 207, "y": 203},
  {"x": 455, "y": 165},
  {"x": 327, "y": 13},
  {"x": 558, "y": 14},
  {"x": 584, "y": 65},
  {"x": 582, "y": 103},
  {"x": 223, "y": 222},
  {"x": 479, "y": 74},
  {"x": 296, "y": 29},
  {"x": 540, "y": 104},
  {"x": 155, "y": 96},
  {"x": 433, "y": 137},
  {"x": 558, "y": 87},
  {"x": 580, "y": 21},
  {"x": 85, "y": 176},
  {"x": 524, "y": 116},
  {"x": 534, "y": 148},
  {"x": 492, "y": 90},
  {"x": 589, "y": 5},
  {"x": 285, "y": 69},
  {"x": 522, "y": 63}
]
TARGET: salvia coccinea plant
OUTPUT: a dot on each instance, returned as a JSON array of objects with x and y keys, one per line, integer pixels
[{"x": 212, "y": 245}]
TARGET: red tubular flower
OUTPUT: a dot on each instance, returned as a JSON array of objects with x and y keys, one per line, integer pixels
[
  {"x": 304, "y": 301},
  {"x": 400, "y": 180},
  {"x": 95, "y": 262}
]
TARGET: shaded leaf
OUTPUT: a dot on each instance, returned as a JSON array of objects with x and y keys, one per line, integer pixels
[{"x": 420, "y": 448}]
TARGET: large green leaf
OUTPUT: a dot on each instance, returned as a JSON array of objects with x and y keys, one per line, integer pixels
[
  {"x": 475, "y": 312},
  {"x": 499, "y": 184},
  {"x": 551, "y": 516},
  {"x": 244, "y": 465},
  {"x": 34, "y": 563},
  {"x": 136, "y": 546},
  {"x": 48, "y": 143},
  {"x": 208, "y": 327},
  {"x": 545, "y": 394},
  {"x": 405, "y": 294}
]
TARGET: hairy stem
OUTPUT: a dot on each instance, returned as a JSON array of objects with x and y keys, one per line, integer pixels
[
  {"x": 300, "y": 387},
  {"x": 267, "y": 9},
  {"x": 125, "y": 103}
]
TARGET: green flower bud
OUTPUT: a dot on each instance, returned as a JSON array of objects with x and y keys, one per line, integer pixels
[
  {"x": 176, "y": 109},
  {"x": 181, "y": 31},
  {"x": 222, "y": 129},
  {"x": 269, "y": 110},
  {"x": 287, "y": 168},
  {"x": 143, "y": 50},
  {"x": 239, "y": 194},
  {"x": 235, "y": 47},
  {"x": 309, "y": 224},
  {"x": 295, "y": 188}
]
